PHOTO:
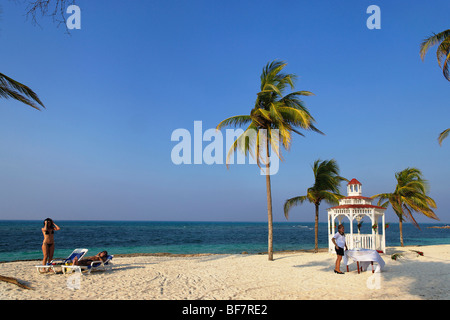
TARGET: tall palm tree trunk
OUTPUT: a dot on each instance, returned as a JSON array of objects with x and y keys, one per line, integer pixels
[
  {"x": 269, "y": 204},
  {"x": 316, "y": 230},
  {"x": 400, "y": 225}
]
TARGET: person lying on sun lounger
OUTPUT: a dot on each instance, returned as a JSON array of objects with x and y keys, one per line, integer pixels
[{"x": 101, "y": 256}]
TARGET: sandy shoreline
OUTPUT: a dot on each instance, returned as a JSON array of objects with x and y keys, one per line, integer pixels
[{"x": 292, "y": 275}]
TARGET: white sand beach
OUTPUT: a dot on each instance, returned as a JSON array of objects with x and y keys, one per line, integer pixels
[{"x": 292, "y": 275}]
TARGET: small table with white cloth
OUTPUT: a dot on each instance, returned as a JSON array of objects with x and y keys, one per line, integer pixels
[{"x": 363, "y": 257}]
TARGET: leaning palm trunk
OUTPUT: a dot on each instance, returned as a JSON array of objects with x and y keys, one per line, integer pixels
[
  {"x": 316, "y": 230},
  {"x": 400, "y": 226}
]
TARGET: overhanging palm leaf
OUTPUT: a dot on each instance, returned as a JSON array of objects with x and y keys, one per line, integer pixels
[
  {"x": 292, "y": 202},
  {"x": 236, "y": 121},
  {"x": 443, "y": 50},
  {"x": 444, "y": 134},
  {"x": 441, "y": 39},
  {"x": 10, "y": 88},
  {"x": 443, "y": 56}
]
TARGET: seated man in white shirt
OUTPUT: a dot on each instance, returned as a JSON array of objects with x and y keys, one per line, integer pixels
[{"x": 339, "y": 242}]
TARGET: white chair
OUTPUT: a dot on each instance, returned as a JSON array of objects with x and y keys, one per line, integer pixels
[
  {"x": 94, "y": 266},
  {"x": 57, "y": 263}
]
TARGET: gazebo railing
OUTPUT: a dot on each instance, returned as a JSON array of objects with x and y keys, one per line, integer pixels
[{"x": 365, "y": 241}]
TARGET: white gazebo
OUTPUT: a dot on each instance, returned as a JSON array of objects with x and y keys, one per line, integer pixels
[{"x": 355, "y": 207}]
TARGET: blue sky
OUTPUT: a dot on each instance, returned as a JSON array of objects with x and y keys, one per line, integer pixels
[{"x": 116, "y": 89}]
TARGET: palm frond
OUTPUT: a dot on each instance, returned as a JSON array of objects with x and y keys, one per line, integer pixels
[
  {"x": 432, "y": 41},
  {"x": 382, "y": 197},
  {"x": 292, "y": 202},
  {"x": 408, "y": 214},
  {"x": 410, "y": 196},
  {"x": 278, "y": 115},
  {"x": 10, "y": 88},
  {"x": 249, "y": 143},
  {"x": 443, "y": 51},
  {"x": 269, "y": 88},
  {"x": 331, "y": 198},
  {"x": 444, "y": 134},
  {"x": 235, "y": 121}
]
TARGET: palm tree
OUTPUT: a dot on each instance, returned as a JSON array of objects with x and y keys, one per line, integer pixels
[
  {"x": 274, "y": 116},
  {"x": 326, "y": 187},
  {"x": 443, "y": 58},
  {"x": 443, "y": 50},
  {"x": 409, "y": 196},
  {"x": 10, "y": 88},
  {"x": 443, "y": 135}
]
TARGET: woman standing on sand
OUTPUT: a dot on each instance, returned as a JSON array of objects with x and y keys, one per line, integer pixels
[
  {"x": 339, "y": 242},
  {"x": 48, "y": 245}
]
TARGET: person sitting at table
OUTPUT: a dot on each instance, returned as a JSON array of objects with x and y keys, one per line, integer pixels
[{"x": 339, "y": 243}]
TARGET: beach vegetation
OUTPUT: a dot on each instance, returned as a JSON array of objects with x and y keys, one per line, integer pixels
[
  {"x": 442, "y": 39},
  {"x": 409, "y": 196},
  {"x": 444, "y": 134},
  {"x": 396, "y": 256},
  {"x": 278, "y": 116},
  {"x": 10, "y": 88},
  {"x": 325, "y": 188}
]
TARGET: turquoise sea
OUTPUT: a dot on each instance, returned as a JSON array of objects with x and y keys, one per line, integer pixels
[{"x": 22, "y": 240}]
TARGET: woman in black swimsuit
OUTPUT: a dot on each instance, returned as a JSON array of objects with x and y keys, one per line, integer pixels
[{"x": 48, "y": 245}]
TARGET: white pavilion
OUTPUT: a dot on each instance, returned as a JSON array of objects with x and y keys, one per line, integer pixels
[{"x": 356, "y": 207}]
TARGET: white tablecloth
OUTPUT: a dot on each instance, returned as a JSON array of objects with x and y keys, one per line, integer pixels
[{"x": 364, "y": 256}]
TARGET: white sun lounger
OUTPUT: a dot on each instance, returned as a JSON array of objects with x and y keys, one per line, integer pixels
[
  {"x": 94, "y": 266},
  {"x": 57, "y": 263}
]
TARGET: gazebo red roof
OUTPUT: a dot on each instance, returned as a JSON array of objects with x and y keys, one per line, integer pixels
[{"x": 354, "y": 181}]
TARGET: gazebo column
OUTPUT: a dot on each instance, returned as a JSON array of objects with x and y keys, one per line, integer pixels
[
  {"x": 329, "y": 224},
  {"x": 350, "y": 217},
  {"x": 329, "y": 231},
  {"x": 351, "y": 223},
  {"x": 333, "y": 217},
  {"x": 376, "y": 232},
  {"x": 373, "y": 231},
  {"x": 383, "y": 238}
]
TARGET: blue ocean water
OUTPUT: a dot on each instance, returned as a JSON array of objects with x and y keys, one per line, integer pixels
[{"x": 21, "y": 240}]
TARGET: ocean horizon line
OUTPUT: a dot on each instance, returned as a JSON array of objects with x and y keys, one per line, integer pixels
[{"x": 206, "y": 221}]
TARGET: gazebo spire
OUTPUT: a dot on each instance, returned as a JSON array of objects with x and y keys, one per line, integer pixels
[{"x": 354, "y": 188}]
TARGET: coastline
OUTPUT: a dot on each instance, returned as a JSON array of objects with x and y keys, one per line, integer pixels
[
  {"x": 292, "y": 275},
  {"x": 182, "y": 255},
  {"x": 186, "y": 237}
]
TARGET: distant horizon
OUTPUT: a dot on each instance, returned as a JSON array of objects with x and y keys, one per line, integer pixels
[{"x": 212, "y": 221}]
